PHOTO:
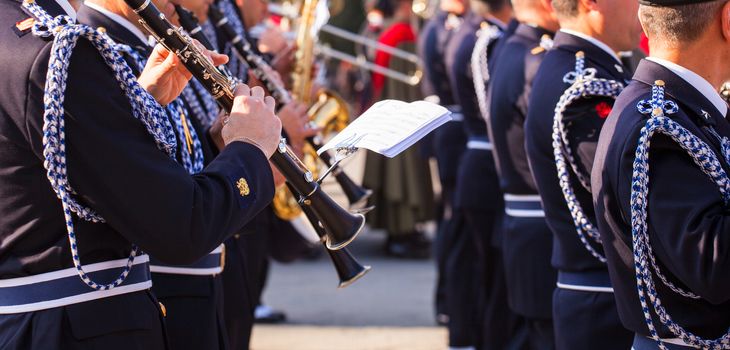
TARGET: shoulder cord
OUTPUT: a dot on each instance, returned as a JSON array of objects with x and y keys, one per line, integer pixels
[
  {"x": 584, "y": 84},
  {"x": 144, "y": 107},
  {"x": 193, "y": 163},
  {"x": 238, "y": 67},
  {"x": 208, "y": 111},
  {"x": 657, "y": 108},
  {"x": 480, "y": 64}
]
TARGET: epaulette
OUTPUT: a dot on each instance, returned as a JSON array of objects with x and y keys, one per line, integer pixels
[
  {"x": 452, "y": 22},
  {"x": 725, "y": 92},
  {"x": 546, "y": 43}
]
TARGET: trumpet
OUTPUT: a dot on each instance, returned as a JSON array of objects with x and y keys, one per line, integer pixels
[
  {"x": 410, "y": 78},
  {"x": 341, "y": 226}
]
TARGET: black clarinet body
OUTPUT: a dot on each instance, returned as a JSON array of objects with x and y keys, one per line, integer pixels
[
  {"x": 356, "y": 195},
  {"x": 191, "y": 24},
  {"x": 246, "y": 53},
  {"x": 342, "y": 227}
]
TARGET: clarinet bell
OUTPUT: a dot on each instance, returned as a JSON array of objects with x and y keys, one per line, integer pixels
[
  {"x": 348, "y": 268},
  {"x": 341, "y": 226},
  {"x": 357, "y": 195}
]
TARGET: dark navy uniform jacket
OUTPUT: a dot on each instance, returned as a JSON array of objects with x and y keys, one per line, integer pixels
[
  {"x": 512, "y": 74},
  {"x": 476, "y": 171},
  {"x": 197, "y": 297},
  {"x": 449, "y": 141},
  {"x": 583, "y": 120},
  {"x": 688, "y": 221},
  {"x": 116, "y": 168}
]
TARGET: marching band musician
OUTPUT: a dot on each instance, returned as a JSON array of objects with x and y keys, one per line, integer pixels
[
  {"x": 477, "y": 201},
  {"x": 247, "y": 263},
  {"x": 191, "y": 294},
  {"x": 123, "y": 190},
  {"x": 512, "y": 70},
  {"x": 449, "y": 140},
  {"x": 402, "y": 187},
  {"x": 658, "y": 181},
  {"x": 585, "y": 47}
]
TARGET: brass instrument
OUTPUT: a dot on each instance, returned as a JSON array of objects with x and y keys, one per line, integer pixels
[
  {"x": 340, "y": 226},
  {"x": 411, "y": 78},
  {"x": 285, "y": 205},
  {"x": 328, "y": 112}
]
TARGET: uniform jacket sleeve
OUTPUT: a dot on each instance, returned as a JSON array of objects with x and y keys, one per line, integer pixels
[
  {"x": 688, "y": 222},
  {"x": 116, "y": 169},
  {"x": 583, "y": 120}
]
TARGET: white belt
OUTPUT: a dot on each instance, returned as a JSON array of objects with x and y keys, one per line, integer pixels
[
  {"x": 522, "y": 197},
  {"x": 585, "y": 288},
  {"x": 211, "y": 264},
  {"x": 523, "y": 206},
  {"x": 457, "y": 117},
  {"x": 480, "y": 145},
  {"x": 64, "y": 287}
]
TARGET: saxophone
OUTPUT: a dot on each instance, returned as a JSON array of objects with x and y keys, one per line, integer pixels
[{"x": 327, "y": 110}]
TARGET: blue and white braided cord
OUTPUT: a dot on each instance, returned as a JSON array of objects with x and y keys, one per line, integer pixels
[
  {"x": 66, "y": 34},
  {"x": 707, "y": 160},
  {"x": 238, "y": 67},
  {"x": 192, "y": 163},
  {"x": 584, "y": 85},
  {"x": 207, "y": 112},
  {"x": 480, "y": 64},
  {"x": 209, "y": 32}
]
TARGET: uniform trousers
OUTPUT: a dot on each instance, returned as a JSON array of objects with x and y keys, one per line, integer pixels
[
  {"x": 127, "y": 321},
  {"x": 588, "y": 320},
  {"x": 441, "y": 247},
  {"x": 194, "y": 310},
  {"x": 448, "y": 146},
  {"x": 527, "y": 243},
  {"x": 479, "y": 315},
  {"x": 246, "y": 261}
]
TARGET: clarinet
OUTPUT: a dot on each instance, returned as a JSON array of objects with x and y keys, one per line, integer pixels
[
  {"x": 243, "y": 49},
  {"x": 190, "y": 23},
  {"x": 342, "y": 227},
  {"x": 246, "y": 53}
]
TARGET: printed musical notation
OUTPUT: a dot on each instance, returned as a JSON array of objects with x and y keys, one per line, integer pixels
[{"x": 389, "y": 127}]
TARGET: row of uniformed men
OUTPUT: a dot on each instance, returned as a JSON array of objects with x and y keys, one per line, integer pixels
[
  {"x": 97, "y": 163},
  {"x": 558, "y": 238}
]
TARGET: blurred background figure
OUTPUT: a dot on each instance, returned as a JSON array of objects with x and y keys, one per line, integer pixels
[
  {"x": 403, "y": 192},
  {"x": 448, "y": 142}
]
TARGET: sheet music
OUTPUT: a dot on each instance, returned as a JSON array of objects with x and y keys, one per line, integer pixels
[{"x": 389, "y": 127}]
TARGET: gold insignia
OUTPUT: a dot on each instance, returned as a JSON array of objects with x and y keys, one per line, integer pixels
[
  {"x": 101, "y": 30},
  {"x": 223, "y": 257},
  {"x": 163, "y": 309},
  {"x": 242, "y": 185},
  {"x": 25, "y": 24},
  {"x": 537, "y": 50}
]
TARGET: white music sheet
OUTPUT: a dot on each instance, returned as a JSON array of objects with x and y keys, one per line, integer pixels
[{"x": 389, "y": 127}]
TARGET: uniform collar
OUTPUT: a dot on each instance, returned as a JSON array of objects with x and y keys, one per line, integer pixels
[
  {"x": 689, "y": 98},
  {"x": 66, "y": 6},
  {"x": 698, "y": 82},
  {"x": 601, "y": 45},
  {"x": 121, "y": 21},
  {"x": 532, "y": 32},
  {"x": 593, "y": 53},
  {"x": 53, "y": 8}
]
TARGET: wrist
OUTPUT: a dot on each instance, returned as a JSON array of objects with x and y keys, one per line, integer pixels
[{"x": 249, "y": 141}]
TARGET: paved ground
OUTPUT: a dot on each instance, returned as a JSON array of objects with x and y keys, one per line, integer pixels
[{"x": 390, "y": 308}]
